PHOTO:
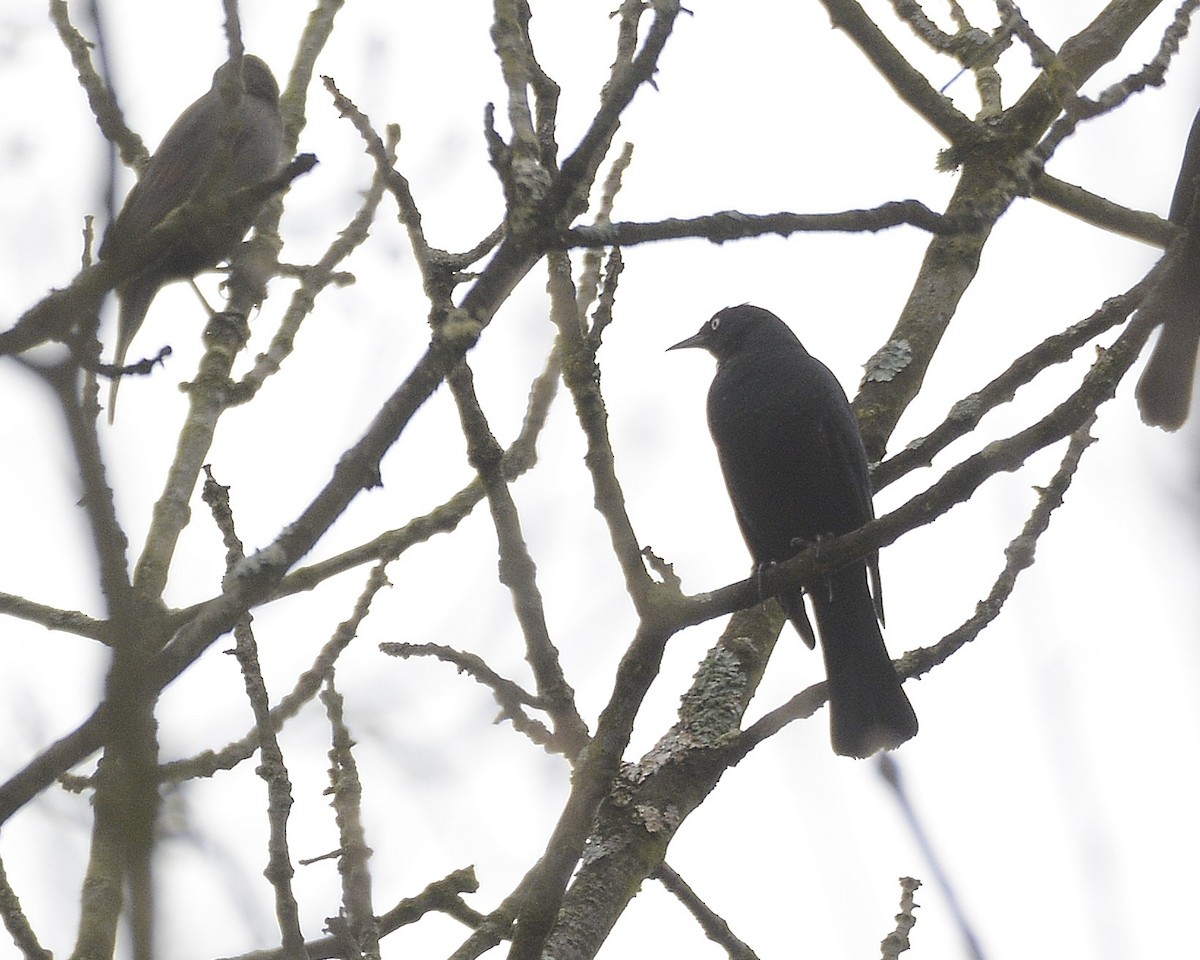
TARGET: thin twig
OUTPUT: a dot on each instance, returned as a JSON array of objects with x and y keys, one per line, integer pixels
[
  {"x": 714, "y": 926},
  {"x": 272, "y": 768},
  {"x": 357, "y": 918}
]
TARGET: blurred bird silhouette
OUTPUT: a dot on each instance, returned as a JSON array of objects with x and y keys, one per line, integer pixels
[
  {"x": 1164, "y": 392},
  {"x": 178, "y": 169},
  {"x": 796, "y": 471}
]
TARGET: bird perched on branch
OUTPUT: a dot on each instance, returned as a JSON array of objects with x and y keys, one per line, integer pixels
[
  {"x": 796, "y": 471},
  {"x": 195, "y": 160},
  {"x": 1164, "y": 392}
]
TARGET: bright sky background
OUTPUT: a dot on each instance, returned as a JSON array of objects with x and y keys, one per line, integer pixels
[{"x": 1054, "y": 769}]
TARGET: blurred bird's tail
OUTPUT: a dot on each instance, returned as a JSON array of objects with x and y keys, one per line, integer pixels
[
  {"x": 133, "y": 303},
  {"x": 113, "y": 385},
  {"x": 1164, "y": 392},
  {"x": 868, "y": 710}
]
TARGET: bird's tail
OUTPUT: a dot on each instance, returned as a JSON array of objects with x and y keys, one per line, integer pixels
[
  {"x": 115, "y": 382},
  {"x": 133, "y": 303},
  {"x": 1164, "y": 392},
  {"x": 868, "y": 710}
]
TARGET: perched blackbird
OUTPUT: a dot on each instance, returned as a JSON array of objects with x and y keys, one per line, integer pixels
[
  {"x": 796, "y": 471},
  {"x": 1164, "y": 392},
  {"x": 177, "y": 169}
]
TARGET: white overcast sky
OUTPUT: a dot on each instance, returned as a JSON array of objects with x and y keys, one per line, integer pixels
[{"x": 1055, "y": 766}]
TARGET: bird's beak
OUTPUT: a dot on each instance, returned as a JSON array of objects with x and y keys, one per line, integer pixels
[{"x": 695, "y": 340}]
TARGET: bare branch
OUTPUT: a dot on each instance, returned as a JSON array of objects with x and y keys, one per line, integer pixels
[
  {"x": 714, "y": 926},
  {"x": 517, "y": 569},
  {"x": 896, "y": 943},
  {"x": 52, "y": 618},
  {"x": 17, "y": 924},
  {"x": 965, "y": 415},
  {"x": 306, "y": 687},
  {"x": 272, "y": 768},
  {"x": 357, "y": 920},
  {"x": 733, "y": 225},
  {"x": 907, "y": 82},
  {"x": 441, "y": 896},
  {"x": 511, "y": 696},
  {"x": 1102, "y": 212}
]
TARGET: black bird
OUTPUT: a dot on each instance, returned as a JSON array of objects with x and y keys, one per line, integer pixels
[
  {"x": 796, "y": 471},
  {"x": 1164, "y": 392},
  {"x": 180, "y": 166}
]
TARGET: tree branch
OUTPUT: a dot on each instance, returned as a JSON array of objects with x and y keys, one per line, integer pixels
[{"x": 733, "y": 225}]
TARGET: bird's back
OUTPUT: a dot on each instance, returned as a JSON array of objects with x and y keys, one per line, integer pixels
[
  {"x": 789, "y": 447},
  {"x": 180, "y": 164}
]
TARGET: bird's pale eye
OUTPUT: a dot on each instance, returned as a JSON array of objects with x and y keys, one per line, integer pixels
[{"x": 714, "y": 323}]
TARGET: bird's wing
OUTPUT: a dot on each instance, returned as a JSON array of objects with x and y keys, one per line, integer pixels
[
  {"x": 850, "y": 476},
  {"x": 167, "y": 182}
]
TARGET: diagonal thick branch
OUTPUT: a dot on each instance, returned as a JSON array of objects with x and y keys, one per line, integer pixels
[{"x": 993, "y": 174}]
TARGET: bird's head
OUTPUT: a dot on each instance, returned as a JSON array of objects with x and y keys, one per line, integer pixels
[
  {"x": 733, "y": 328},
  {"x": 257, "y": 79}
]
